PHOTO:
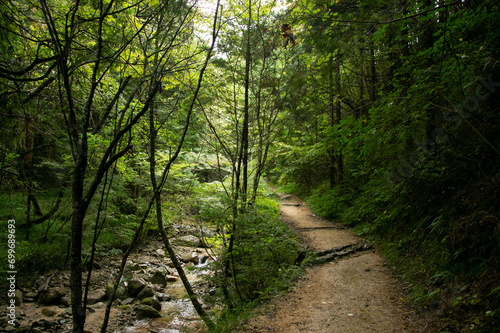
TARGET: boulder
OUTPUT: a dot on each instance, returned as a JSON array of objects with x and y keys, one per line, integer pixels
[
  {"x": 153, "y": 302},
  {"x": 132, "y": 267},
  {"x": 135, "y": 286},
  {"x": 162, "y": 297},
  {"x": 121, "y": 292},
  {"x": 145, "y": 311},
  {"x": 49, "y": 312},
  {"x": 66, "y": 301},
  {"x": 52, "y": 295},
  {"x": 159, "y": 278},
  {"x": 100, "y": 305},
  {"x": 147, "y": 291},
  {"x": 40, "y": 283},
  {"x": 171, "y": 278},
  {"x": 188, "y": 240},
  {"x": 189, "y": 257},
  {"x": 96, "y": 296},
  {"x": 127, "y": 301}
]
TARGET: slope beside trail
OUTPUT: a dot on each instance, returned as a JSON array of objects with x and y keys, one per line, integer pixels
[{"x": 355, "y": 293}]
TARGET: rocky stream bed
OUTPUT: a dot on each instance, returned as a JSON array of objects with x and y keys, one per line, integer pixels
[{"x": 151, "y": 297}]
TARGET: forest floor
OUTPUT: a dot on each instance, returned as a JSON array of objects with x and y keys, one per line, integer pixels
[{"x": 357, "y": 292}]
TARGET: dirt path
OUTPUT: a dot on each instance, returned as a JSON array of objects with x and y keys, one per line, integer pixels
[{"x": 357, "y": 293}]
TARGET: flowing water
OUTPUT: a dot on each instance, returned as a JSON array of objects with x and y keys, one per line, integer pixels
[{"x": 178, "y": 315}]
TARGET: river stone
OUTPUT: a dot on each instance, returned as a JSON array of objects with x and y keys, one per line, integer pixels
[
  {"x": 52, "y": 295},
  {"x": 125, "y": 307},
  {"x": 135, "y": 286},
  {"x": 66, "y": 301},
  {"x": 171, "y": 278},
  {"x": 188, "y": 240},
  {"x": 96, "y": 296},
  {"x": 100, "y": 305},
  {"x": 158, "y": 278},
  {"x": 127, "y": 301},
  {"x": 132, "y": 267},
  {"x": 40, "y": 283},
  {"x": 189, "y": 257},
  {"x": 121, "y": 292},
  {"x": 145, "y": 311},
  {"x": 153, "y": 302},
  {"x": 147, "y": 291},
  {"x": 162, "y": 297},
  {"x": 49, "y": 312}
]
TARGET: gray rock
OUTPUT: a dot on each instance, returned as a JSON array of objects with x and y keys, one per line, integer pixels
[
  {"x": 153, "y": 302},
  {"x": 171, "y": 278},
  {"x": 127, "y": 301},
  {"x": 49, "y": 312},
  {"x": 121, "y": 292},
  {"x": 132, "y": 267},
  {"x": 162, "y": 297},
  {"x": 40, "y": 283},
  {"x": 9, "y": 329},
  {"x": 66, "y": 301},
  {"x": 159, "y": 278},
  {"x": 189, "y": 257},
  {"x": 160, "y": 252},
  {"x": 188, "y": 240},
  {"x": 146, "y": 311},
  {"x": 52, "y": 295},
  {"x": 125, "y": 307},
  {"x": 100, "y": 305},
  {"x": 96, "y": 296},
  {"x": 147, "y": 291},
  {"x": 135, "y": 286}
]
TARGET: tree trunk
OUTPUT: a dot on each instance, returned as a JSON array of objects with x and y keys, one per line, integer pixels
[{"x": 340, "y": 167}]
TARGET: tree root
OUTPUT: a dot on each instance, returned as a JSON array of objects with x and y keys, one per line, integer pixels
[{"x": 340, "y": 252}]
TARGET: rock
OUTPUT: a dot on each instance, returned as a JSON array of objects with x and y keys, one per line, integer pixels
[
  {"x": 158, "y": 278},
  {"x": 171, "y": 278},
  {"x": 127, "y": 301},
  {"x": 188, "y": 240},
  {"x": 164, "y": 297},
  {"x": 160, "y": 252},
  {"x": 49, "y": 312},
  {"x": 96, "y": 296},
  {"x": 126, "y": 307},
  {"x": 153, "y": 302},
  {"x": 135, "y": 286},
  {"x": 147, "y": 291},
  {"x": 66, "y": 301},
  {"x": 189, "y": 257},
  {"x": 100, "y": 305},
  {"x": 40, "y": 283},
  {"x": 132, "y": 267},
  {"x": 9, "y": 329},
  {"x": 19, "y": 297},
  {"x": 121, "y": 292},
  {"x": 146, "y": 311},
  {"x": 52, "y": 295}
]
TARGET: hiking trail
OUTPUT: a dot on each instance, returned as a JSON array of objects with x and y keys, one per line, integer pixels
[{"x": 349, "y": 289}]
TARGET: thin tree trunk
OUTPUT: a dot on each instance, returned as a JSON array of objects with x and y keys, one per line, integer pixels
[{"x": 340, "y": 167}]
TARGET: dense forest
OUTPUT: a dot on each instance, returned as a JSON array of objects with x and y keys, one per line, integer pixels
[{"x": 123, "y": 120}]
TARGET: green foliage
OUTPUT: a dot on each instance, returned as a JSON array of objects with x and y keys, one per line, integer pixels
[{"x": 262, "y": 260}]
